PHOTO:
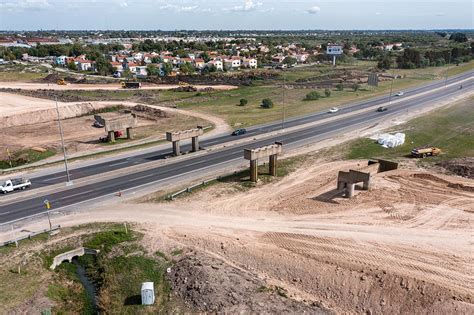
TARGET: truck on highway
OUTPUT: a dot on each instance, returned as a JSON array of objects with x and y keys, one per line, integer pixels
[
  {"x": 422, "y": 152},
  {"x": 14, "y": 184},
  {"x": 131, "y": 85}
]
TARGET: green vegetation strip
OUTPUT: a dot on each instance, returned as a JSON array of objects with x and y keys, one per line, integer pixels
[{"x": 450, "y": 129}]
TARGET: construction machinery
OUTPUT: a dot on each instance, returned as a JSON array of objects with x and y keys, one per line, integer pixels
[
  {"x": 131, "y": 85},
  {"x": 422, "y": 152},
  {"x": 61, "y": 82}
]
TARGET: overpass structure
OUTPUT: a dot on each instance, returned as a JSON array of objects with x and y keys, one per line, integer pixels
[{"x": 420, "y": 97}]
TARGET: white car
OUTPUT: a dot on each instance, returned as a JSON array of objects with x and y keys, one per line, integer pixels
[
  {"x": 399, "y": 94},
  {"x": 334, "y": 110}
]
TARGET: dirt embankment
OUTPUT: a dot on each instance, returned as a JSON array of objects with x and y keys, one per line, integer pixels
[
  {"x": 238, "y": 78},
  {"x": 46, "y": 115},
  {"x": 208, "y": 284},
  {"x": 463, "y": 167}
]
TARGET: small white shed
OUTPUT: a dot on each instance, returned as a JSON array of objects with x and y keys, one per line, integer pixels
[{"x": 148, "y": 293}]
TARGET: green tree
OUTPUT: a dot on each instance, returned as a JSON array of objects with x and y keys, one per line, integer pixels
[
  {"x": 72, "y": 66},
  {"x": 167, "y": 68},
  {"x": 152, "y": 70},
  {"x": 289, "y": 61},
  {"x": 458, "y": 37},
  {"x": 243, "y": 102},
  {"x": 355, "y": 87},
  {"x": 385, "y": 62},
  {"x": 103, "y": 66},
  {"x": 186, "y": 68},
  {"x": 327, "y": 92},
  {"x": 339, "y": 87},
  {"x": 267, "y": 103},
  {"x": 313, "y": 96}
]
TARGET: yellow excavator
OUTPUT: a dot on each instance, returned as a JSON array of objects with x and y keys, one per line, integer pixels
[{"x": 61, "y": 82}]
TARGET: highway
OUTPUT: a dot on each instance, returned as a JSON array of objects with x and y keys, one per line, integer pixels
[
  {"x": 98, "y": 168},
  {"x": 30, "y": 206}
]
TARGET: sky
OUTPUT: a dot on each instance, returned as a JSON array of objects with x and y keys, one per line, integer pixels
[{"x": 235, "y": 14}]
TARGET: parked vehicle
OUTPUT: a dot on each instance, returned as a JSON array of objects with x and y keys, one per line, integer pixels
[
  {"x": 14, "y": 184},
  {"x": 61, "y": 82},
  {"x": 117, "y": 134},
  {"x": 97, "y": 124},
  {"x": 422, "y": 152},
  {"x": 238, "y": 132},
  {"x": 382, "y": 109},
  {"x": 399, "y": 93},
  {"x": 333, "y": 110},
  {"x": 131, "y": 85}
]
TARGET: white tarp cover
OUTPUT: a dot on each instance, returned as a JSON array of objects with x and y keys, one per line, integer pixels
[{"x": 387, "y": 140}]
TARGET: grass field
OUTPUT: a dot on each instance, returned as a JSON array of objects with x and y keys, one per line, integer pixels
[
  {"x": 450, "y": 129},
  {"x": 291, "y": 103}
]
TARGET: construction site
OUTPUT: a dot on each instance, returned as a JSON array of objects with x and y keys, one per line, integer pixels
[{"x": 310, "y": 216}]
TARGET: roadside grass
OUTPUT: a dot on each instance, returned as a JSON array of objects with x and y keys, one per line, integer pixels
[
  {"x": 26, "y": 156},
  {"x": 239, "y": 180},
  {"x": 290, "y": 102},
  {"x": 451, "y": 129},
  {"x": 18, "y": 72}
]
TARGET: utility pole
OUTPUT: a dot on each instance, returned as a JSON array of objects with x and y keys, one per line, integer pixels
[
  {"x": 69, "y": 182},
  {"x": 447, "y": 70},
  {"x": 284, "y": 101},
  {"x": 391, "y": 88}
]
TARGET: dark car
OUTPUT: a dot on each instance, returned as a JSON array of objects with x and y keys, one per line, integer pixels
[
  {"x": 382, "y": 109},
  {"x": 238, "y": 132}
]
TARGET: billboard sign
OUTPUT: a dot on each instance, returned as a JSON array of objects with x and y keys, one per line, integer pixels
[
  {"x": 373, "y": 79},
  {"x": 333, "y": 49}
]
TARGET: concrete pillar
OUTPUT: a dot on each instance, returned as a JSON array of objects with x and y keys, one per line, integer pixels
[
  {"x": 254, "y": 171},
  {"x": 366, "y": 185},
  {"x": 350, "y": 190},
  {"x": 176, "y": 150},
  {"x": 273, "y": 165},
  {"x": 340, "y": 185},
  {"x": 111, "y": 136},
  {"x": 129, "y": 133},
  {"x": 195, "y": 144}
]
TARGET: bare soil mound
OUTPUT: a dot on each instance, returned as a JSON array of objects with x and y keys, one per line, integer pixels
[
  {"x": 463, "y": 167},
  {"x": 210, "y": 285}
]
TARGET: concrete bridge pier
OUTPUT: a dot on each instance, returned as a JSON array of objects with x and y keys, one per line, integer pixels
[
  {"x": 253, "y": 155},
  {"x": 130, "y": 134},
  {"x": 176, "y": 148},
  {"x": 273, "y": 165},
  {"x": 254, "y": 171},
  {"x": 195, "y": 144},
  {"x": 176, "y": 136},
  {"x": 111, "y": 136}
]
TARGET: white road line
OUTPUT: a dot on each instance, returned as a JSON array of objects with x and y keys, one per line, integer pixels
[
  {"x": 120, "y": 163},
  {"x": 50, "y": 179}
]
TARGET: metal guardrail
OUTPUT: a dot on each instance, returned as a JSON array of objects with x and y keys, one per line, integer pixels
[
  {"x": 190, "y": 188},
  {"x": 29, "y": 235}
]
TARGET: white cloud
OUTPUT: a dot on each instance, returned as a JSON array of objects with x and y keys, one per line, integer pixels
[
  {"x": 22, "y": 5},
  {"x": 123, "y": 4},
  {"x": 314, "y": 10},
  {"x": 249, "y": 5},
  {"x": 178, "y": 8},
  {"x": 378, "y": 13}
]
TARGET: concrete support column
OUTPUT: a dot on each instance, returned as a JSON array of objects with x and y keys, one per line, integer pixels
[
  {"x": 273, "y": 165},
  {"x": 350, "y": 190},
  {"x": 176, "y": 149},
  {"x": 111, "y": 136},
  {"x": 195, "y": 144},
  {"x": 253, "y": 170},
  {"x": 129, "y": 133},
  {"x": 366, "y": 185}
]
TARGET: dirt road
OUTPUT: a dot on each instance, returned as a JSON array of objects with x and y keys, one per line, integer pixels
[{"x": 52, "y": 86}]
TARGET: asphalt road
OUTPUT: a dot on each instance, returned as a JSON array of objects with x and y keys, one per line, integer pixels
[
  {"x": 76, "y": 173},
  {"x": 74, "y": 195}
]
